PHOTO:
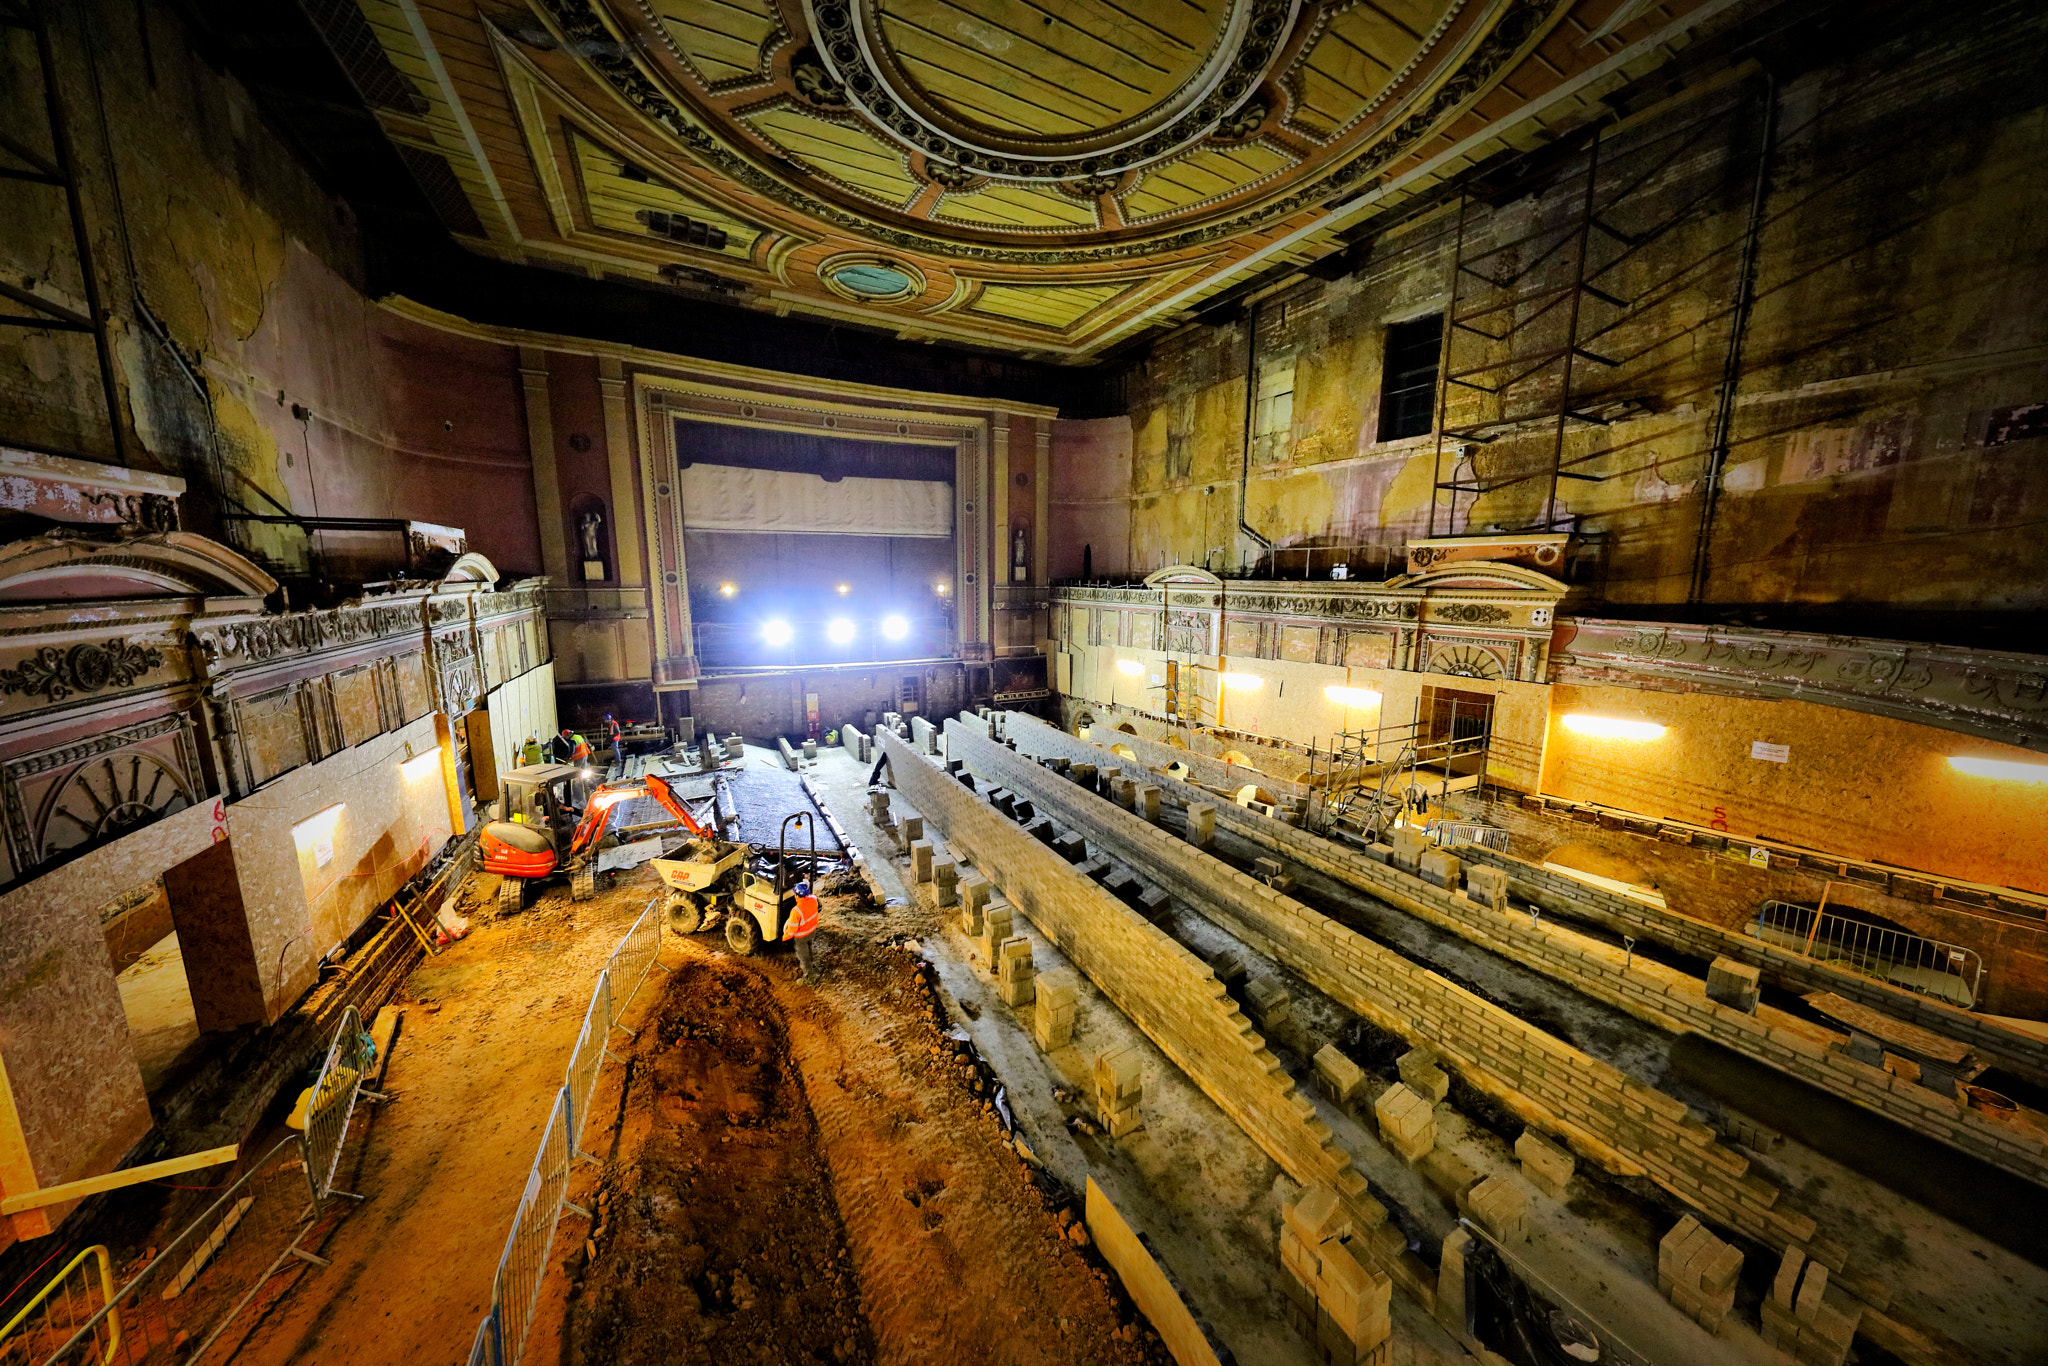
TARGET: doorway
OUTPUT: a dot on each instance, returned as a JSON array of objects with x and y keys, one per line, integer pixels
[{"x": 1455, "y": 729}]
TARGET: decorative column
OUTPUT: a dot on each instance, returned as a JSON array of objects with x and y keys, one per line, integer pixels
[
  {"x": 547, "y": 488},
  {"x": 675, "y": 655},
  {"x": 618, "y": 449}
]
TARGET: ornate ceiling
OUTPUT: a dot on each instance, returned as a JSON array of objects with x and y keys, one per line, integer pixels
[{"x": 1047, "y": 176}]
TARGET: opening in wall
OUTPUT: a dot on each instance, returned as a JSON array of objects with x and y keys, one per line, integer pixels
[{"x": 1408, "y": 377}]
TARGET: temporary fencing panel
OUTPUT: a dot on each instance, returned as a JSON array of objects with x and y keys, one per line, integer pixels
[
  {"x": 334, "y": 1100},
  {"x": 71, "y": 1302}
]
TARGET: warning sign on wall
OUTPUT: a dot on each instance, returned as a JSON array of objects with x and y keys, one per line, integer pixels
[{"x": 1776, "y": 754}]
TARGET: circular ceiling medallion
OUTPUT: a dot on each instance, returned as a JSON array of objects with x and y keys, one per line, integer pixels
[
  {"x": 1087, "y": 89},
  {"x": 872, "y": 279}
]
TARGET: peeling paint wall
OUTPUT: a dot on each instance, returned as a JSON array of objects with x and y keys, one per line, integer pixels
[
  {"x": 1872, "y": 459},
  {"x": 248, "y": 360}
]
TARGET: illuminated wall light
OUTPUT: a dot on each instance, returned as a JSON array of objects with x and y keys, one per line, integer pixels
[
  {"x": 1612, "y": 727},
  {"x": 895, "y": 628},
  {"x": 320, "y": 823},
  {"x": 726, "y": 590},
  {"x": 420, "y": 765},
  {"x": 839, "y": 631},
  {"x": 1242, "y": 682},
  {"x": 777, "y": 633},
  {"x": 1352, "y": 697},
  {"x": 942, "y": 588},
  {"x": 1129, "y": 666},
  {"x": 844, "y": 589},
  {"x": 2008, "y": 769}
]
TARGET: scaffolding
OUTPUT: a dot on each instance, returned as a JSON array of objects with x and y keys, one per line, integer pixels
[
  {"x": 1531, "y": 321},
  {"x": 1369, "y": 780}
]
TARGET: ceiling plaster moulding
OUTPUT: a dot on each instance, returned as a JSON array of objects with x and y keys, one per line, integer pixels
[{"x": 867, "y": 68}]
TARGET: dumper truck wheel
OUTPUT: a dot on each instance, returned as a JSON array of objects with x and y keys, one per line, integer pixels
[
  {"x": 742, "y": 935},
  {"x": 511, "y": 895},
  {"x": 685, "y": 913},
  {"x": 582, "y": 884}
]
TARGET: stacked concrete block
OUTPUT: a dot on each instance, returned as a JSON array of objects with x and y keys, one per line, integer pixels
[
  {"x": 1500, "y": 1207},
  {"x": 1119, "y": 1086},
  {"x": 1014, "y": 975},
  {"x": 1023, "y": 812},
  {"x": 1803, "y": 1319},
  {"x": 1453, "y": 1290},
  {"x": 878, "y": 809},
  {"x": 1336, "y": 1297},
  {"x": 1003, "y": 800},
  {"x": 1548, "y": 1166},
  {"x": 996, "y": 926},
  {"x": 1697, "y": 1271},
  {"x": 1042, "y": 829},
  {"x": 811, "y": 751},
  {"x": 1202, "y": 825},
  {"x": 735, "y": 747},
  {"x": 1341, "y": 1079},
  {"x": 1084, "y": 774},
  {"x": 1154, "y": 903},
  {"x": 909, "y": 830},
  {"x": 1273, "y": 873},
  {"x": 1439, "y": 868},
  {"x": 1733, "y": 984},
  {"x": 1268, "y": 1003},
  {"x": 1408, "y": 845},
  {"x": 1487, "y": 886},
  {"x": 921, "y": 861},
  {"x": 1407, "y": 1123},
  {"x": 1420, "y": 1074},
  {"x": 1229, "y": 968},
  {"x": 974, "y": 892},
  {"x": 1059, "y": 1000},
  {"x": 1071, "y": 846},
  {"x": 1145, "y": 801},
  {"x": 1095, "y": 869},
  {"x": 945, "y": 882},
  {"x": 1126, "y": 792}
]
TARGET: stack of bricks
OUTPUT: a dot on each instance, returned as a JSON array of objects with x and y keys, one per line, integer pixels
[
  {"x": 1059, "y": 1000},
  {"x": 1145, "y": 801},
  {"x": 1546, "y": 1165},
  {"x": 909, "y": 830},
  {"x": 1733, "y": 984},
  {"x": 1202, "y": 825},
  {"x": 1336, "y": 1298},
  {"x": 1408, "y": 845},
  {"x": 974, "y": 890},
  {"x": 1499, "y": 1206},
  {"x": 1799, "y": 1319},
  {"x": 1420, "y": 1074},
  {"x": 1697, "y": 1271},
  {"x": 1269, "y": 1005},
  {"x": 921, "y": 861},
  {"x": 1341, "y": 1079},
  {"x": 1013, "y": 972},
  {"x": 1407, "y": 1123},
  {"x": 945, "y": 882},
  {"x": 996, "y": 921},
  {"x": 1439, "y": 868},
  {"x": 1119, "y": 1085},
  {"x": 1487, "y": 886}
]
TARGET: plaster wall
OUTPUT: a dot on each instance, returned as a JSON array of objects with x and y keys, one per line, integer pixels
[
  {"x": 1897, "y": 317},
  {"x": 1091, "y": 496},
  {"x": 389, "y": 823},
  {"x": 1867, "y": 786}
]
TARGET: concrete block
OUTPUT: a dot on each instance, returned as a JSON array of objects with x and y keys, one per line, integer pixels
[
  {"x": 1146, "y": 802},
  {"x": 1273, "y": 873},
  {"x": 1023, "y": 812},
  {"x": 910, "y": 830},
  {"x": 1487, "y": 886},
  {"x": 735, "y": 747},
  {"x": 1071, "y": 846},
  {"x": 1406, "y": 1121},
  {"x": 1084, "y": 774},
  {"x": 1342, "y": 1080},
  {"x": 921, "y": 861},
  {"x": 1499, "y": 1206},
  {"x": 1268, "y": 1003},
  {"x": 1439, "y": 867},
  {"x": 1229, "y": 968},
  {"x": 1733, "y": 984},
  {"x": 1119, "y": 1077},
  {"x": 945, "y": 881},
  {"x": 1453, "y": 1294},
  {"x": 1547, "y": 1166},
  {"x": 1317, "y": 1216},
  {"x": 1042, "y": 829},
  {"x": 1154, "y": 902},
  {"x": 1420, "y": 1074},
  {"x": 1096, "y": 869},
  {"x": 974, "y": 890},
  {"x": 1122, "y": 1123},
  {"x": 1202, "y": 825},
  {"x": 1787, "y": 1282}
]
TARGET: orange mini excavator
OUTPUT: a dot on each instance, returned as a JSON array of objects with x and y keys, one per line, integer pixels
[{"x": 545, "y": 833}]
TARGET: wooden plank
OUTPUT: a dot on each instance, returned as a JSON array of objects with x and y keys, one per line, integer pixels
[
  {"x": 1146, "y": 1283},
  {"x": 129, "y": 1176},
  {"x": 1885, "y": 1029}
]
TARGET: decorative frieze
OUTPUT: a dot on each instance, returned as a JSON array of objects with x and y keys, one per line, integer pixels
[{"x": 89, "y": 666}]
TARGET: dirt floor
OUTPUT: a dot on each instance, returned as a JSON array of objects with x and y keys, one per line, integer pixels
[{"x": 802, "y": 1174}]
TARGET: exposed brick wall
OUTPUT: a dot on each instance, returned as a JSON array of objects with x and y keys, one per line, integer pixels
[
  {"x": 1163, "y": 988},
  {"x": 1626, "y": 1126}
]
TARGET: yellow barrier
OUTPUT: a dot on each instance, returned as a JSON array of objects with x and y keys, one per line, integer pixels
[{"x": 31, "y": 1335}]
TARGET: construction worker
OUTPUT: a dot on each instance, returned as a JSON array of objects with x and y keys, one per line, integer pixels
[
  {"x": 529, "y": 753},
  {"x": 803, "y": 923},
  {"x": 612, "y": 733}
]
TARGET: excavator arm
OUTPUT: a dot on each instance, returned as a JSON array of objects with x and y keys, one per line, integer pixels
[{"x": 597, "y": 812}]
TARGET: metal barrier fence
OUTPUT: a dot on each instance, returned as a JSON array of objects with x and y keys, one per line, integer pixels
[
  {"x": 1947, "y": 972},
  {"x": 72, "y": 1299},
  {"x": 335, "y": 1092},
  {"x": 515, "y": 1291},
  {"x": 1445, "y": 834}
]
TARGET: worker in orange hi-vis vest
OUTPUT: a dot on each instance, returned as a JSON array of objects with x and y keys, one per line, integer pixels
[{"x": 803, "y": 922}]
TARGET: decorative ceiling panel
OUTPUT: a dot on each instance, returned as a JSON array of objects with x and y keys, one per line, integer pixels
[{"x": 1092, "y": 166}]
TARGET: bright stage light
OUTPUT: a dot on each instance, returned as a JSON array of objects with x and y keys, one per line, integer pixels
[
  {"x": 778, "y": 633},
  {"x": 1129, "y": 666},
  {"x": 1242, "y": 682},
  {"x": 1612, "y": 727},
  {"x": 726, "y": 590},
  {"x": 1353, "y": 697},
  {"x": 895, "y": 628},
  {"x": 840, "y": 631},
  {"x": 2000, "y": 768},
  {"x": 844, "y": 589}
]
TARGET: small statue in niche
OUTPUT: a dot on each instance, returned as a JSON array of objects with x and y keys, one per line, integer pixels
[
  {"x": 591, "y": 524},
  {"x": 1020, "y": 556}
]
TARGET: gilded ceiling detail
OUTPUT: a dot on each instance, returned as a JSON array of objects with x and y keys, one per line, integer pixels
[{"x": 1092, "y": 165}]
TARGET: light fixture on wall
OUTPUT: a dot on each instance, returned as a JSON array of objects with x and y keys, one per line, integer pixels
[
  {"x": 1129, "y": 666},
  {"x": 1352, "y": 697},
  {"x": 777, "y": 633},
  {"x": 942, "y": 587},
  {"x": 420, "y": 765},
  {"x": 839, "y": 631},
  {"x": 1241, "y": 682},
  {"x": 844, "y": 589},
  {"x": 727, "y": 590},
  {"x": 2010, "y": 769},
  {"x": 1612, "y": 727},
  {"x": 895, "y": 628}
]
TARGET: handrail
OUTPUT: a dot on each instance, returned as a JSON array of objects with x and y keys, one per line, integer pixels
[{"x": 113, "y": 1321}]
